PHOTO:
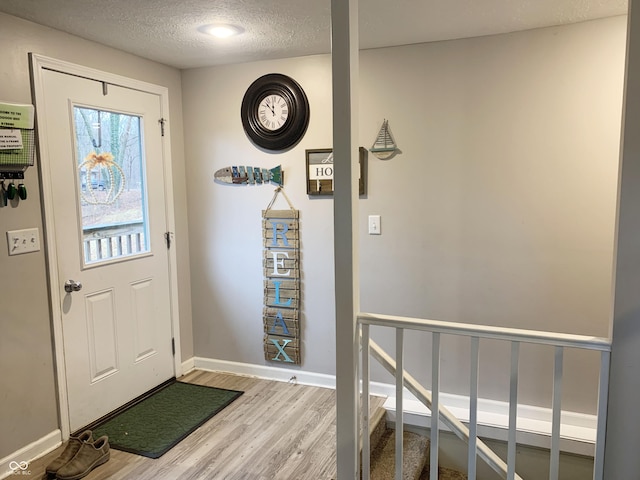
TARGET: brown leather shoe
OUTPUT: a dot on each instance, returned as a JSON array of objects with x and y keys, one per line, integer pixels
[
  {"x": 90, "y": 455},
  {"x": 69, "y": 451}
]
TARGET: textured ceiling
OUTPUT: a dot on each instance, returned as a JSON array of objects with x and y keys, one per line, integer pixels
[{"x": 167, "y": 31}]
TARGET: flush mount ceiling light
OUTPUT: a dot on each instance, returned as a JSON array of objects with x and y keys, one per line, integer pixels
[{"x": 221, "y": 30}]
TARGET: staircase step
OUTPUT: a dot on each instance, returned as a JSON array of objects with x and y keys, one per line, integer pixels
[
  {"x": 443, "y": 474},
  {"x": 378, "y": 426},
  {"x": 415, "y": 464},
  {"x": 383, "y": 461}
]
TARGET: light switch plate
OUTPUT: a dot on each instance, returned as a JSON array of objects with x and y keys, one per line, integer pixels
[
  {"x": 23, "y": 241},
  {"x": 374, "y": 225}
]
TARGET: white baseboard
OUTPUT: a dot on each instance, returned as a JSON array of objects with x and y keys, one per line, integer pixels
[
  {"x": 267, "y": 372},
  {"x": 578, "y": 431},
  {"x": 18, "y": 462},
  {"x": 188, "y": 366},
  {"x": 534, "y": 423}
]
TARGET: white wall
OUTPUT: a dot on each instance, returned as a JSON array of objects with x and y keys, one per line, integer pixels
[
  {"x": 28, "y": 400},
  {"x": 499, "y": 210}
]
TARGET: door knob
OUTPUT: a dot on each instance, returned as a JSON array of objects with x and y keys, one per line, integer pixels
[{"x": 72, "y": 286}]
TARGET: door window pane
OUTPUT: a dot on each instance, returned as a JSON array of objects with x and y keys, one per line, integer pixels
[{"x": 111, "y": 184}]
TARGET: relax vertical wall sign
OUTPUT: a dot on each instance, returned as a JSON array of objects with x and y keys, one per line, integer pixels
[{"x": 281, "y": 262}]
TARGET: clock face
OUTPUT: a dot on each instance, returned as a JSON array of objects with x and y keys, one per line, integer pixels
[{"x": 273, "y": 112}]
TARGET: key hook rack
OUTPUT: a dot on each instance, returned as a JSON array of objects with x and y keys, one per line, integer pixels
[{"x": 11, "y": 175}]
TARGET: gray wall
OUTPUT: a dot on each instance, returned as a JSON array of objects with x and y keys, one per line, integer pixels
[
  {"x": 500, "y": 209},
  {"x": 226, "y": 239},
  {"x": 623, "y": 435},
  {"x": 28, "y": 400}
]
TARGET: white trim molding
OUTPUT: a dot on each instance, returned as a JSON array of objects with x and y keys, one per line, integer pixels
[
  {"x": 267, "y": 372},
  {"x": 19, "y": 461},
  {"x": 578, "y": 430},
  {"x": 187, "y": 366}
]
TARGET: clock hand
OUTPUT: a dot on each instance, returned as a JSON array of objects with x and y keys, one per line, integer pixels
[{"x": 270, "y": 107}]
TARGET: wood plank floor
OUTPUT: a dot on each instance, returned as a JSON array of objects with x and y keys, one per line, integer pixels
[{"x": 275, "y": 430}]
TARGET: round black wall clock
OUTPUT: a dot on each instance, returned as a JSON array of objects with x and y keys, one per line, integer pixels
[{"x": 275, "y": 112}]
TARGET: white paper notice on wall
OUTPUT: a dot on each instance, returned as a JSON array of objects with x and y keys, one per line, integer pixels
[
  {"x": 16, "y": 115},
  {"x": 10, "y": 140}
]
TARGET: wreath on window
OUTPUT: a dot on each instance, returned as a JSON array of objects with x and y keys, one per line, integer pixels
[{"x": 103, "y": 181}]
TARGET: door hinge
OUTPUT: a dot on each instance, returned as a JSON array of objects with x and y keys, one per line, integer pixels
[
  {"x": 167, "y": 237},
  {"x": 161, "y": 122},
  {"x": 173, "y": 346}
]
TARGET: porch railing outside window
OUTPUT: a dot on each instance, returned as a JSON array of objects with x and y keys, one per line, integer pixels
[{"x": 112, "y": 241}]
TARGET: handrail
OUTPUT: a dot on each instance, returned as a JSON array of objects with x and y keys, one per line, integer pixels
[
  {"x": 114, "y": 227},
  {"x": 485, "y": 331},
  {"x": 476, "y": 332}
]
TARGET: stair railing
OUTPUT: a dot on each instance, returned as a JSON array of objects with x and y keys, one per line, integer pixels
[{"x": 432, "y": 399}]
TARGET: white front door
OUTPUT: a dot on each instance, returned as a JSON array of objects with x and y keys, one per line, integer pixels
[{"x": 104, "y": 146}]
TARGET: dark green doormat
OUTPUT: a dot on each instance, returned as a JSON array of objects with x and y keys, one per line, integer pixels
[{"x": 154, "y": 424}]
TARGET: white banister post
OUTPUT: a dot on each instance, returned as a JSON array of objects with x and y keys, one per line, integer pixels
[
  {"x": 399, "y": 401},
  {"x": 435, "y": 406},
  {"x": 344, "y": 62},
  {"x": 601, "y": 430},
  {"x": 473, "y": 409},
  {"x": 513, "y": 411},
  {"x": 554, "y": 467},
  {"x": 366, "y": 407}
]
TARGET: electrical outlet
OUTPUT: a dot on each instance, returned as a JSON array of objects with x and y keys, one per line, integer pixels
[{"x": 23, "y": 241}]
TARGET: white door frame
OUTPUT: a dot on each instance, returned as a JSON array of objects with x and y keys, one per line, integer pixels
[{"x": 38, "y": 63}]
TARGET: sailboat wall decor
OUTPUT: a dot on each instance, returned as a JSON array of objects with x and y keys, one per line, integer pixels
[{"x": 385, "y": 146}]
